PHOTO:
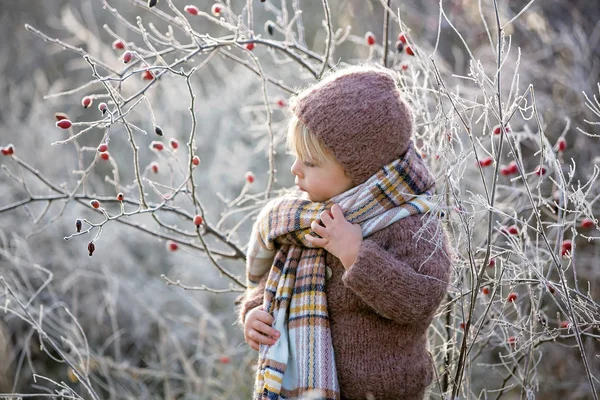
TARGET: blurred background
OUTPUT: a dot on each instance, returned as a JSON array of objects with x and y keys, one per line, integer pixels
[{"x": 150, "y": 340}]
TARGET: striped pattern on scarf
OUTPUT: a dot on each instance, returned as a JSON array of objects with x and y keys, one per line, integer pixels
[{"x": 302, "y": 360}]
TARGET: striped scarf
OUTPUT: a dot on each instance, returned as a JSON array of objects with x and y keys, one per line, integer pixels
[{"x": 302, "y": 360}]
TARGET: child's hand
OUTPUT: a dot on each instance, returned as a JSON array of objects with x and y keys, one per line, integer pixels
[
  {"x": 339, "y": 237},
  {"x": 257, "y": 328}
]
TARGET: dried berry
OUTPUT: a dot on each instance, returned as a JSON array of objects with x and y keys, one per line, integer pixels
[
  {"x": 198, "y": 220},
  {"x": 192, "y": 10},
  {"x": 64, "y": 124},
  {"x": 551, "y": 288},
  {"x": 102, "y": 148},
  {"x": 158, "y": 130},
  {"x": 118, "y": 44},
  {"x": 270, "y": 27},
  {"x": 120, "y": 196},
  {"x": 86, "y": 102},
  {"x": 91, "y": 248},
  {"x": 78, "y": 225},
  {"x": 196, "y": 160},
  {"x": 59, "y": 116},
  {"x": 127, "y": 56},
  {"x": 152, "y": 3},
  {"x": 399, "y": 46}
]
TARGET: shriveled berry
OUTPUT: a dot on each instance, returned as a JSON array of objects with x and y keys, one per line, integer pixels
[
  {"x": 270, "y": 27},
  {"x": 102, "y": 148},
  {"x": 158, "y": 130},
  {"x": 402, "y": 38},
  {"x": 120, "y": 196},
  {"x": 152, "y": 3},
  {"x": 59, "y": 116},
  {"x": 410, "y": 51},
  {"x": 172, "y": 246},
  {"x": 127, "y": 56},
  {"x": 102, "y": 107},
  {"x": 250, "y": 177},
  {"x": 399, "y": 46},
  {"x": 95, "y": 203},
  {"x": 485, "y": 290},
  {"x": 147, "y": 75},
  {"x": 587, "y": 223},
  {"x": 118, "y": 44},
  {"x": 91, "y": 248},
  {"x": 198, "y": 220},
  {"x": 486, "y": 162},
  {"x": 64, "y": 124},
  {"x": 539, "y": 171},
  {"x": 550, "y": 288},
  {"x": 250, "y": 46},
  {"x": 156, "y": 145},
  {"x": 78, "y": 225},
  {"x": 105, "y": 156},
  {"x": 370, "y": 38},
  {"x": 174, "y": 143},
  {"x": 86, "y": 102},
  {"x": 196, "y": 160},
  {"x": 154, "y": 167},
  {"x": 8, "y": 150},
  {"x": 561, "y": 144},
  {"x": 192, "y": 10}
]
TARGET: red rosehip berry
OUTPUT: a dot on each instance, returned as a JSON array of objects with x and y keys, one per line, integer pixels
[
  {"x": 196, "y": 160},
  {"x": 370, "y": 38},
  {"x": 118, "y": 44},
  {"x": 565, "y": 324},
  {"x": 587, "y": 223},
  {"x": 102, "y": 107},
  {"x": 64, "y": 124},
  {"x": 250, "y": 177},
  {"x": 8, "y": 150},
  {"x": 281, "y": 103},
  {"x": 192, "y": 10},
  {"x": 498, "y": 129},
  {"x": 512, "y": 340},
  {"x": 513, "y": 230},
  {"x": 514, "y": 168},
  {"x": 250, "y": 46},
  {"x": 539, "y": 171},
  {"x": 91, "y": 248},
  {"x": 86, "y": 102},
  {"x": 95, "y": 203},
  {"x": 120, "y": 196},
  {"x": 215, "y": 9},
  {"x": 102, "y": 148},
  {"x": 402, "y": 38},
  {"x": 505, "y": 170},
  {"x": 147, "y": 75},
  {"x": 105, "y": 156},
  {"x": 462, "y": 326},
  {"x": 404, "y": 67},
  {"x": 127, "y": 56},
  {"x": 512, "y": 297},
  {"x": 486, "y": 162},
  {"x": 485, "y": 290},
  {"x": 174, "y": 143},
  {"x": 492, "y": 262},
  {"x": 566, "y": 247},
  {"x": 224, "y": 360},
  {"x": 561, "y": 144},
  {"x": 172, "y": 246},
  {"x": 154, "y": 167},
  {"x": 198, "y": 220},
  {"x": 78, "y": 225},
  {"x": 410, "y": 51},
  {"x": 551, "y": 288},
  {"x": 156, "y": 145},
  {"x": 59, "y": 116}
]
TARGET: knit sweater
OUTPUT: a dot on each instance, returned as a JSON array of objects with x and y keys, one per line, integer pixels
[{"x": 380, "y": 310}]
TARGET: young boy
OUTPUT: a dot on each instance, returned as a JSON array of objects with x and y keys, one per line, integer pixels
[{"x": 345, "y": 277}]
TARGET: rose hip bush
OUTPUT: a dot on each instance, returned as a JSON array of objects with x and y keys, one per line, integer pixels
[{"x": 165, "y": 137}]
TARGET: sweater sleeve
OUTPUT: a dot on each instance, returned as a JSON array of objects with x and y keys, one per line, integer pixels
[
  {"x": 406, "y": 288},
  {"x": 250, "y": 299}
]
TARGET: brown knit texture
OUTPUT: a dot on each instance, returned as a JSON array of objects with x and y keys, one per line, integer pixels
[
  {"x": 359, "y": 114},
  {"x": 381, "y": 307}
]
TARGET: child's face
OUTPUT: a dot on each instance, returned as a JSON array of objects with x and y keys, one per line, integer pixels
[{"x": 321, "y": 182}]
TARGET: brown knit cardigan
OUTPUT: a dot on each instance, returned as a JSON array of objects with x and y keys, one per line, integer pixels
[{"x": 380, "y": 310}]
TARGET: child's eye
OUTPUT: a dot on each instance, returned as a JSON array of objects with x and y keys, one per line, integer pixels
[{"x": 308, "y": 164}]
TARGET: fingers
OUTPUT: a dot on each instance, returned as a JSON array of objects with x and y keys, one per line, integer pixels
[
  {"x": 255, "y": 336},
  {"x": 337, "y": 211},
  {"x": 254, "y": 345},
  {"x": 265, "y": 317},
  {"x": 265, "y": 329},
  {"x": 326, "y": 217},
  {"x": 319, "y": 230}
]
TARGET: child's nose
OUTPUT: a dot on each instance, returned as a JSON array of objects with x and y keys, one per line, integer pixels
[{"x": 296, "y": 168}]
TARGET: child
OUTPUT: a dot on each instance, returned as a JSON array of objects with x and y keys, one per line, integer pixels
[{"x": 345, "y": 276}]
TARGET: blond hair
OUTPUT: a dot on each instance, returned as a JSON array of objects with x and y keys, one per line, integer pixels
[{"x": 307, "y": 146}]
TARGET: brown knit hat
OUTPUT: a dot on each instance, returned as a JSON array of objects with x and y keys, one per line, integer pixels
[{"x": 360, "y": 116}]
